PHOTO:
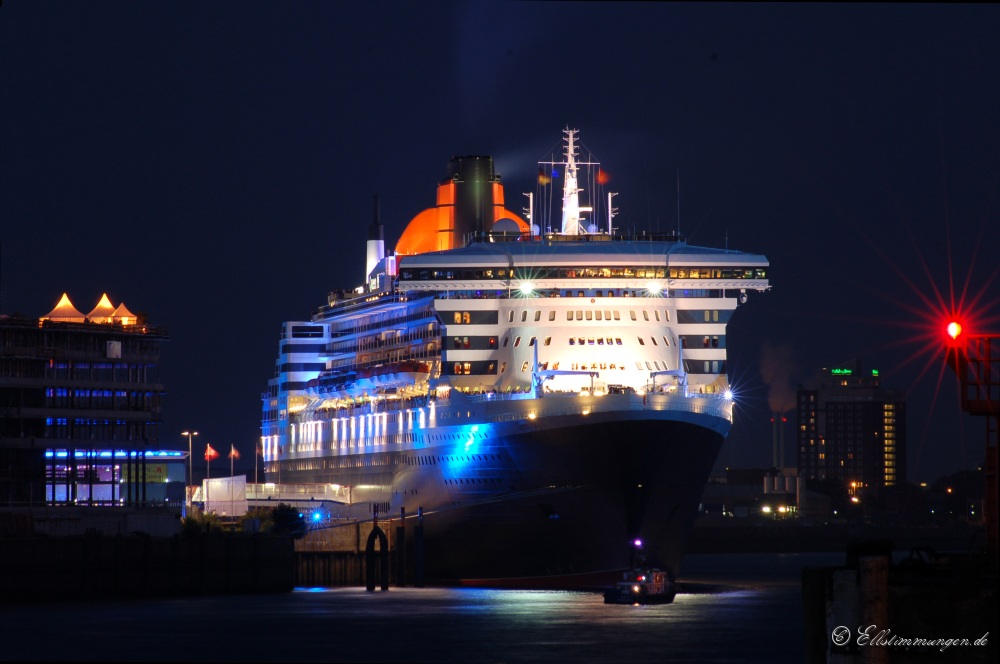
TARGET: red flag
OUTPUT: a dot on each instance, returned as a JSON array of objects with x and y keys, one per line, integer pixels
[
  {"x": 210, "y": 453},
  {"x": 543, "y": 177},
  {"x": 233, "y": 453},
  {"x": 602, "y": 176}
]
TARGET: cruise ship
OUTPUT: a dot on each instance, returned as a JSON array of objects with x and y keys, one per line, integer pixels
[{"x": 549, "y": 402}]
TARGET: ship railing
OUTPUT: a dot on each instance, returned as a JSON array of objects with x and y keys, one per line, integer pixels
[
  {"x": 570, "y": 405},
  {"x": 487, "y": 397},
  {"x": 278, "y": 492}
]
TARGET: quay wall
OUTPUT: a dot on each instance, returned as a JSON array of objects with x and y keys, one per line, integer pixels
[
  {"x": 795, "y": 538},
  {"x": 97, "y": 566},
  {"x": 336, "y": 555}
]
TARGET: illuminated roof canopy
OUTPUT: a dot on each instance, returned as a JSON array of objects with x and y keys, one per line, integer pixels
[
  {"x": 64, "y": 312},
  {"x": 104, "y": 312}
]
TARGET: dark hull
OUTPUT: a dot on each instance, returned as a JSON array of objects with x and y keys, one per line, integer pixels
[{"x": 588, "y": 491}]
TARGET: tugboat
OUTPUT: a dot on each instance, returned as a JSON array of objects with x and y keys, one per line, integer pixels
[{"x": 651, "y": 586}]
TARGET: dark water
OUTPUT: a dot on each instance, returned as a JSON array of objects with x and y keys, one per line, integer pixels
[{"x": 741, "y": 608}]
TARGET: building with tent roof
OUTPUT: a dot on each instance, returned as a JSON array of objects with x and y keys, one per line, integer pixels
[
  {"x": 105, "y": 312},
  {"x": 80, "y": 414}
]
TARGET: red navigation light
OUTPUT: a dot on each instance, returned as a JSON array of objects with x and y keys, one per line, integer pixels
[{"x": 954, "y": 329}]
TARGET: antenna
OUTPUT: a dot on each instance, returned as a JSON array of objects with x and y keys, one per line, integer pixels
[{"x": 612, "y": 212}]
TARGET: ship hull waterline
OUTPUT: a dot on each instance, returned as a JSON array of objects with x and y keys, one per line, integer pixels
[{"x": 581, "y": 491}]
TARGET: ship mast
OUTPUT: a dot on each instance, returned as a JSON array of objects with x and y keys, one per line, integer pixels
[{"x": 571, "y": 193}]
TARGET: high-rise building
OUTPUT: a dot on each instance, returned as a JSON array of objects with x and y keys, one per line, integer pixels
[
  {"x": 851, "y": 430},
  {"x": 80, "y": 411}
]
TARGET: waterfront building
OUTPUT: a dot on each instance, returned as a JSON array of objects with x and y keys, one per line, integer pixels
[
  {"x": 80, "y": 412},
  {"x": 851, "y": 430}
]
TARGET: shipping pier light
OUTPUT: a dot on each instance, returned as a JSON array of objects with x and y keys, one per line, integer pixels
[{"x": 954, "y": 330}]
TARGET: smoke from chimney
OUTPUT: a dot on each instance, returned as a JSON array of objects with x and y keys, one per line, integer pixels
[{"x": 776, "y": 370}]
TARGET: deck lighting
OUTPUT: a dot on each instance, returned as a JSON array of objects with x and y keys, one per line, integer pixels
[
  {"x": 954, "y": 329},
  {"x": 526, "y": 288},
  {"x": 728, "y": 395}
]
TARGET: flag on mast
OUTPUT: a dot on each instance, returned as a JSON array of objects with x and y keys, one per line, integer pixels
[
  {"x": 233, "y": 452},
  {"x": 210, "y": 453}
]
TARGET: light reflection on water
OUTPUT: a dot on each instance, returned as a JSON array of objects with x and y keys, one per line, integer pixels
[{"x": 757, "y": 616}]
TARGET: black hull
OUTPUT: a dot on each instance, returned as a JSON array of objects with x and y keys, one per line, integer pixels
[{"x": 599, "y": 486}]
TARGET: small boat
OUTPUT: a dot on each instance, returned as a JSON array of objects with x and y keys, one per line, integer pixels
[{"x": 651, "y": 586}]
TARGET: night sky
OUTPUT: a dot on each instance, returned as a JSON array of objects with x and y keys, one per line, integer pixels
[{"x": 212, "y": 165}]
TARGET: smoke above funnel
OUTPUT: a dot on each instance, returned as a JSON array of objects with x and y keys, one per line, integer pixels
[{"x": 776, "y": 369}]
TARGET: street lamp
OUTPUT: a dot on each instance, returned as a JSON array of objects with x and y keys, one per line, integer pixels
[{"x": 189, "y": 434}]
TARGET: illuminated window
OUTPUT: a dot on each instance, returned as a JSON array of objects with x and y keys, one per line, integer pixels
[
  {"x": 548, "y": 340},
  {"x": 458, "y": 317},
  {"x": 524, "y": 367},
  {"x": 466, "y": 317}
]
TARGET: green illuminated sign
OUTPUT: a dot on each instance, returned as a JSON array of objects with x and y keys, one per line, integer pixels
[
  {"x": 841, "y": 372},
  {"x": 874, "y": 372}
]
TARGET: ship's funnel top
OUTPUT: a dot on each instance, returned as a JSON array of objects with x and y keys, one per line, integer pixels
[
  {"x": 473, "y": 178},
  {"x": 376, "y": 246},
  {"x": 469, "y": 200}
]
